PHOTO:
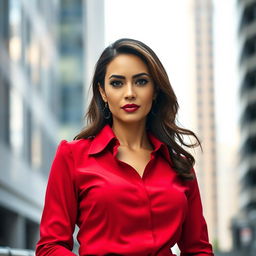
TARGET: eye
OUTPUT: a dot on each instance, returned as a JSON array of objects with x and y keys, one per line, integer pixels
[
  {"x": 142, "y": 81},
  {"x": 116, "y": 83}
]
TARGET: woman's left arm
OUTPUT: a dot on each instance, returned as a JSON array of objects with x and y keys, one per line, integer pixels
[{"x": 194, "y": 237}]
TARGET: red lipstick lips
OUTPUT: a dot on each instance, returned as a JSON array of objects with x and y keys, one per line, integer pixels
[{"x": 130, "y": 107}]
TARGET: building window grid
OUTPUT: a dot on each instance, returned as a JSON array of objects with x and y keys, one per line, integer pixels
[{"x": 248, "y": 16}]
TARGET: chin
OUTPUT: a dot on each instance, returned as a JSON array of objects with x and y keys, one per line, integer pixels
[{"x": 130, "y": 119}]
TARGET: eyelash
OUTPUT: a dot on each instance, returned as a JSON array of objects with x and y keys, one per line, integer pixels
[
  {"x": 115, "y": 82},
  {"x": 145, "y": 81},
  {"x": 140, "y": 82}
]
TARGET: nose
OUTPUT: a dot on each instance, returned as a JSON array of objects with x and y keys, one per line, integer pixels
[{"x": 130, "y": 92}]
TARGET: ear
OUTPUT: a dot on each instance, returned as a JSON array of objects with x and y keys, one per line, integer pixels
[{"x": 102, "y": 92}]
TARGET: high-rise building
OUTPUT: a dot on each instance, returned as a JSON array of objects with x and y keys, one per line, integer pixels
[
  {"x": 81, "y": 40},
  {"x": 204, "y": 110},
  {"x": 244, "y": 226},
  {"x": 29, "y": 107},
  {"x": 94, "y": 36},
  {"x": 37, "y": 99},
  {"x": 71, "y": 65}
]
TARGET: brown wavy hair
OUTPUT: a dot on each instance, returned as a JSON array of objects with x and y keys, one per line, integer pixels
[{"x": 161, "y": 120}]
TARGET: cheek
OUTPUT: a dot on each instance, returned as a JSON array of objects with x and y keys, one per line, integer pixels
[{"x": 113, "y": 99}]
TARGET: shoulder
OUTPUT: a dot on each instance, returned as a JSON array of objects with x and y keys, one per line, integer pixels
[
  {"x": 75, "y": 146},
  {"x": 76, "y": 149}
]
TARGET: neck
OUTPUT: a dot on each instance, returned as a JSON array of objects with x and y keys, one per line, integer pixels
[{"x": 131, "y": 135}]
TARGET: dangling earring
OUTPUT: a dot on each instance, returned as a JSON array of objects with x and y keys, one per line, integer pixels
[{"x": 106, "y": 111}]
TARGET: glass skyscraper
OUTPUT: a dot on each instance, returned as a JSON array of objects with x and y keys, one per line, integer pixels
[
  {"x": 43, "y": 88},
  {"x": 29, "y": 107}
]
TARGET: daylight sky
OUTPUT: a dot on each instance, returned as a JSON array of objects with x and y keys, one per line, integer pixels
[{"x": 164, "y": 26}]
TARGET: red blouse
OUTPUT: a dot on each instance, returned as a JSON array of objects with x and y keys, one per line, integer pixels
[{"x": 118, "y": 212}]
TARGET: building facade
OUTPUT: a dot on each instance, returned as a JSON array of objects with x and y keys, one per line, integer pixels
[
  {"x": 203, "y": 93},
  {"x": 71, "y": 65},
  {"x": 244, "y": 225},
  {"x": 81, "y": 40},
  {"x": 43, "y": 95},
  {"x": 29, "y": 108}
]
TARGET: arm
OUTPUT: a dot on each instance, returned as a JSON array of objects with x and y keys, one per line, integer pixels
[
  {"x": 194, "y": 237},
  {"x": 60, "y": 208}
]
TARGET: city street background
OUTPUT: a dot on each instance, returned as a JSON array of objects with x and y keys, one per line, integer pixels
[{"x": 47, "y": 56}]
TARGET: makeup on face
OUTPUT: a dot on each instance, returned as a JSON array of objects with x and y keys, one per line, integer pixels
[
  {"x": 140, "y": 79},
  {"x": 130, "y": 107},
  {"x": 129, "y": 88}
]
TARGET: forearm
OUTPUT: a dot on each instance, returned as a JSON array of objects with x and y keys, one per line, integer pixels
[{"x": 53, "y": 250}]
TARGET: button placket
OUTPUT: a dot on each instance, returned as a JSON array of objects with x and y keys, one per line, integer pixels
[{"x": 151, "y": 229}]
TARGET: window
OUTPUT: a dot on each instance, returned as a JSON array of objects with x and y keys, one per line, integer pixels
[{"x": 16, "y": 121}]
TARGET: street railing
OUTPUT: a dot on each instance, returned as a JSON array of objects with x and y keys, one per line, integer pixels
[{"x": 7, "y": 251}]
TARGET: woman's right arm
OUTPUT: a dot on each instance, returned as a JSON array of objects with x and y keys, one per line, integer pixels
[{"x": 60, "y": 208}]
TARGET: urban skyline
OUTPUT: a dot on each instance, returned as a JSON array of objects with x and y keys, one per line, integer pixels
[{"x": 37, "y": 151}]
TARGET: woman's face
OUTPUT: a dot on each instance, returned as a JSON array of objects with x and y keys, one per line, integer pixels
[{"x": 128, "y": 81}]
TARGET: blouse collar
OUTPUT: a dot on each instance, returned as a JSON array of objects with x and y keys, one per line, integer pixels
[{"x": 106, "y": 135}]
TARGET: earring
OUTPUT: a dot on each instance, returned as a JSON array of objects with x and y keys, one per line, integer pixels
[{"x": 106, "y": 111}]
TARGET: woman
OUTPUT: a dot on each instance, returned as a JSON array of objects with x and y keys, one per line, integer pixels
[{"x": 126, "y": 180}]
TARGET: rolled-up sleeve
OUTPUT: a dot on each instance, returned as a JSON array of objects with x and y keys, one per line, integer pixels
[
  {"x": 194, "y": 238},
  {"x": 60, "y": 208}
]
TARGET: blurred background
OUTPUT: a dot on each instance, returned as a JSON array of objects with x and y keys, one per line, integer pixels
[{"x": 48, "y": 49}]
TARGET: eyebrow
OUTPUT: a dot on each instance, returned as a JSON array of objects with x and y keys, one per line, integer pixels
[{"x": 134, "y": 76}]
